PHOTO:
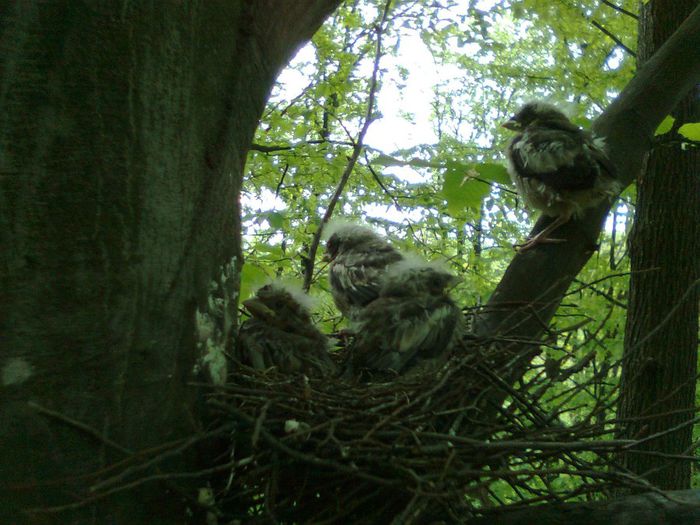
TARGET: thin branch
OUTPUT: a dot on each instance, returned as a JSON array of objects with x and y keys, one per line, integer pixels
[
  {"x": 279, "y": 184},
  {"x": 183, "y": 445},
  {"x": 357, "y": 149},
  {"x": 271, "y": 148},
  {"x": 94, "y": 433},
  {"x": 605, "y": 295},
  {"x": 614, "y": 38},
  {"x": 620, "y": 9},
  {"x": 375, "y": 175},
  {"x": 638, "y": 344},
  {"x": 161, "y": 476}
]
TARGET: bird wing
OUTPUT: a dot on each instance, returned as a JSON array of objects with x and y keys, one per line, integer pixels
[
  {"x": 397, "y": 331},
  {"x": 595, "y": 147},
  {"x": 356, "y": 276},
  {"x": 262, "y": 345},
  {"x": 252, "y": 348},
  {"x": 560, "y": 159}
]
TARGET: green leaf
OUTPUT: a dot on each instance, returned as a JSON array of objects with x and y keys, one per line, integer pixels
[
  {"x": 691, "y": 131},
  {"x": 276, "y": 220},
  {"x": 460, "y": 190},
  {"x": 387, "y": 160},
  {"x": 493, "y": 172},
  {"x": 665, "y": 125},
  {"x": 252, "y": 277}
]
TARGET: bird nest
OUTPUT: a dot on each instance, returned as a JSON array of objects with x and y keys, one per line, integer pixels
[{"x": 447, "y": 441}]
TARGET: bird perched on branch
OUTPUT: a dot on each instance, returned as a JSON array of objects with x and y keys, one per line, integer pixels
[
  {"x": 280, "y": 333},
  {"x": 413, "y": 319},
  {"x": 358, "y": 259},
  {"x": 557, "y": 167}
]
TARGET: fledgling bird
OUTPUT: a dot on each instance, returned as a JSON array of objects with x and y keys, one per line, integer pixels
[
  {"x": 358, "y": 259},
  {"x": 280, "y": 333},
  {"x": 557, "y": 167},
  {"x": 412, "y": 320}
]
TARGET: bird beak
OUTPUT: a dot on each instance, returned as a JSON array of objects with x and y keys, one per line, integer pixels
[
  {"x": 257, "y": 308},
  {"x": 512, "y": 125}
]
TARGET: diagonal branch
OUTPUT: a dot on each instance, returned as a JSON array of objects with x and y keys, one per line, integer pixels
[
  {"x": 620, "y": 9},
  {"x": 613, "y": 37}
]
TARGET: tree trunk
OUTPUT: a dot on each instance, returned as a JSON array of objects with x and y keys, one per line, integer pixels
[
  {"x": 124, "y": 131},
  {"x": 660, "y": 357}
]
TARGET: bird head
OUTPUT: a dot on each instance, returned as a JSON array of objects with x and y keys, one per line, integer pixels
[
  {"x": 537, "y": 113},
  {"x": 279, "y": 303},
  {"x": 343, "y": 236},
  {"x": 411, "y": 277}
]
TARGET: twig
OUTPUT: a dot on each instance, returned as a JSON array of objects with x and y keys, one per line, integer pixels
[
  {"x": 279, "y": 184},
  {"x": 629, "y": 352},
  {"x": 159, "y": 458},
  {"x": 81, "y": 426},
  {"x": 138, "y": 482},
  {"x": 259, "y": 422},
  {"x": 375, "y": 175},
  {"x": 614, "y": 38},
  {"x": 620, "y": 9},
  {"x": 271, "y": 148}
]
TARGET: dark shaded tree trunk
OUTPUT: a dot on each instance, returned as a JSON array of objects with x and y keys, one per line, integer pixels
[
  {"x": 660, "y": 357},
  {"x": 123, "y": 134}
]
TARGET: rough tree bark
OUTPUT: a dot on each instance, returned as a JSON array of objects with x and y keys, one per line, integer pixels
[
  {"x": 123, "y": 135},
  {"x": 660, "y": 359}
]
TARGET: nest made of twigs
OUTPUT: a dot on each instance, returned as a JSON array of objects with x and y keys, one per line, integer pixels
[{"x": 445, "y": 442}]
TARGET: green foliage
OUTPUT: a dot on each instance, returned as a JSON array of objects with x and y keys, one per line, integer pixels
[
  {"x": 434, "y": 179},
  {"x": 665, "y": 126}
]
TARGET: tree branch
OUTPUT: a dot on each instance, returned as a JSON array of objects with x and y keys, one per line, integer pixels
[
  {"x": 272, "y": 148},
  {"x": 613, "y": 37},
  {"x": 620, "y": 9},
  {"x": 681, "y": 507}
]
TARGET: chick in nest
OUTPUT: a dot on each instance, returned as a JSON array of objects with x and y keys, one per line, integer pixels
[
  {"x": 358, "y": 259},
  {"x": 280, "y": 333},
  {"x": 413, "y": 319}
]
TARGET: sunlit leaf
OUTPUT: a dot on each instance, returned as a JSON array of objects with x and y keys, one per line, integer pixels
[
  {"x": 493, "y": 172},
  {"x": 252, "y": 277},
  {"x": 665, "y": 126},
  {"x": 276, "y": 219},
  {"x": 691, "y": 131},
  {"x": 461, "y": 190}
]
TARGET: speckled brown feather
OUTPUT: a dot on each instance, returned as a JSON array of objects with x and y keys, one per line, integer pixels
[{"x": 359, "y": 258}]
